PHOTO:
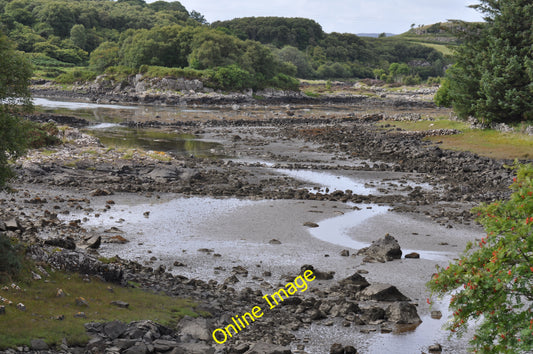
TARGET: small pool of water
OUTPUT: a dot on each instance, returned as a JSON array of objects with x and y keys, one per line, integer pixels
[{"x": 111, "y": 134}]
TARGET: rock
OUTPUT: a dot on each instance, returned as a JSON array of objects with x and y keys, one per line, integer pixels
[
  {"x": 403, "y": 313},
  {"x": 94, "y": 242},
  {"x": 265, "y": 348},
  {"x": 240, "y": 349},
  {"x": 274, "y": 242},
  {"x": 66, "y": 243},
  {"x": 356, "y": 282},
  {"x": 435, "y": 348},
  {"x": 318, "y": 274},
  {"x": 38, "y": 344},
  {"x": 96, "y": 345},
  {"x": 12, "y": 224},
  {"x": 436, "y": 315},
  {"x": 384, "y": 249},
  {"x": 193, "y": 348},
  {"x": 2, "y": 310},
  {"x": 35, "y": 276},
  {"x": 206, "y": 250},
  {"x": 412, "y": 255},
  {"x": 21, "y": 306},
  {"x": 80, "y": 301},
  {"x": 100, "y": 192},
  {"x": 336, "y": 349},
  {"x": 197, "y": 328},
  {"x": 240, "y": 270},
  {"x": 120, "y": 304},
  {"x": 60, "y": 293},
  {"x": 138, "y": 348},
  {"x": 117, "y": 239},
  {"x": 114, "y": 329},
  {"x": 311, "y": 224},
  {"x": 179, "y": 264},
  {"x": 80, "y": 315},
  {"x": 345, "y": 253},
  {"x": 382, "y": 292},
  {"x": 161, "y": 345}
]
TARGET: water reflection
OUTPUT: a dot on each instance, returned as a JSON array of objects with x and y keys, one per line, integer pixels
[{"x": 157, "y": 140}]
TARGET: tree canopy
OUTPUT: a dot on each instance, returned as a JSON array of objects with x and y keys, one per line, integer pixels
[
  {"x": 15, "y": 73},
  {"x": 493, "y": 78}
]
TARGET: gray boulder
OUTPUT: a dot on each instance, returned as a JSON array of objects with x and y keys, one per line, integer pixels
[
  {"x": 382, "y": 292},
  {"x": 383, "y": 250}
]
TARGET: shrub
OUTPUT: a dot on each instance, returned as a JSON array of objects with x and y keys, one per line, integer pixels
[
  {"x": 491, "y": 283},
  {"x": 10, "y": 262},
  {"x": 442, "y": 97},
  {"x": 41, "y": 134},
  {"x": 76, "y": 75}
]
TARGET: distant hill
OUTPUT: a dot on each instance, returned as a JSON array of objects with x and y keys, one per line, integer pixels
[{"x": 375, "y": 35}]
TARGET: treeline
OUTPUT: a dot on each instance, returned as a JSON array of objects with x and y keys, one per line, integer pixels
[
  {"x": 316, "y": 54},
  {"x": 125, "y": 35}
]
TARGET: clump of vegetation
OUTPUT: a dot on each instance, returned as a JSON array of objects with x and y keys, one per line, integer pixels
[
  {"x": 52, "y": 317},
  {"x": 10, "y": 261},
  {"x": 40, "y": 135},
  {"x": 491, "y": 282}
]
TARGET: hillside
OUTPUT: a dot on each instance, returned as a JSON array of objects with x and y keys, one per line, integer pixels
[{"x": 76, "y": 41}]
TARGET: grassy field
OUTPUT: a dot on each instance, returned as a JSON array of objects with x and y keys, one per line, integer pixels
[
  {"x": 44, "y": 310},
  {"x": 488, "y": 142}
]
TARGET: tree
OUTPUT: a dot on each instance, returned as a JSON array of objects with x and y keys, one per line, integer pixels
[
  {"x": 106, "y": 55},
  {"x": 491, "y": 283},
  {"x": 15, "y": 73},
  {"x": 78, "y": 35},
  {"x": 493, "y": 78}
]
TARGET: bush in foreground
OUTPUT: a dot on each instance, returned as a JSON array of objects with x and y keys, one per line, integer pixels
[{"x": 491, "y": 283}]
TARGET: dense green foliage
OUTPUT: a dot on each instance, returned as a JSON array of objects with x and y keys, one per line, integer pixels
[
  {"x": 493, "y": 78},
  {"x": 491, "y": 283},
  {"x": 15, "y": 73},
  {"x": 10, "y": 262},
  {"x": 132, "y": 33},
  {"x": 316, "y": 54}
]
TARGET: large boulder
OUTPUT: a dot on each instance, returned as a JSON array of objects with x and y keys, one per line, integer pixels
[
  {"x": 382, "y": 292},
  {"x": 355, "y": 282},
  {"x": 403, "y": 313},
  {"x": 383, "y": 250}
]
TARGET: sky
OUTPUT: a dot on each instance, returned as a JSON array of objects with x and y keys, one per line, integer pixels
[{"x": 350, "y": 16}]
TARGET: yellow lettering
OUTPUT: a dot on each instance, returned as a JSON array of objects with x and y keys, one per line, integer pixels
[
  {"x": 215, "y": 337},
  {"x": 303, "y": 285},
  {"x": 255, "y": 311},
  {"x": 249, "y": 315},
  {"x": 307, "y": 275},
  {"x": 267, "y": 300},
  {"x": 233, "y": 327},
  {"x": 278, "y": 293},
  {"x": 292, "y": 289}
]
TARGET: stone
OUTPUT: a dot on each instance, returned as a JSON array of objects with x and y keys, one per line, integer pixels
[
  {"x": 382, "y": 292},
  {"x": 240, "y": 270},
  {"x": 21, "y": 306},
  {"x": 179, "y": 264},
  {"x": 412, "y": 255},
  {"x": 12, "y": 224},
  {"x": 38, "y": 344},
  {"x": 114, "y": 329},
  {"x": 436, "y": 315},
  {"x": 138, "y": 348},
  {"x": 356, "y": 282},
  {"x": 94, "y": 242},
  {"x": 336, "y": 348},
  {"x": 67, "y": 243},
  {"x": 81, "y": 301},
  {"x": 60, "y": 293},
  {"x": 274, "y": 242},
  {"x": 383, "y": 249},
  {"x": 435, "y": 348},
  {"x": 345, "y": 253},
  {"x": 2, "y": 310},
  {"x": 311, "y": 224},
  {"x": 35, "y": 276},
  {"x": 240, "y": 348},
  {"x": 403, "y": 313},
  {"x": 80, "y": 315},
  {"x": 120, "y": 304},
  {"x": 266, "y": 348},
  {"x": 117, "y": 239},
  {"x": 198, "y": 328},
  {"x": 100, "y": 192},
  {"x": 96, "y": 345},
  {"x": 318, "y": 274},
  {"x": 193, "y": 348},
  {"x": 161, "y": 345}
]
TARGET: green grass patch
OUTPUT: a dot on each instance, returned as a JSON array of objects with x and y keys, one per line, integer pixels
[
  {"x": 43, "y": 308},
  {"x": 490, "y": 143}
]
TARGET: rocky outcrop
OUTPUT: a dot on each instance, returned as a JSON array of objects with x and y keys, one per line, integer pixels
[{"x": 382, "y": 250}]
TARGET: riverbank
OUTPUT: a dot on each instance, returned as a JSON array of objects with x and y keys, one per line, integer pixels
[{"x": 227, "y": 230}]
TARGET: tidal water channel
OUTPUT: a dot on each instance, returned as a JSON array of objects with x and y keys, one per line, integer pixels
[{"x": 176, "y": 227}]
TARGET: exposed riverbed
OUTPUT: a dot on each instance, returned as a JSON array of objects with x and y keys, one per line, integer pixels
[{"x": 234, "y": 193}]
